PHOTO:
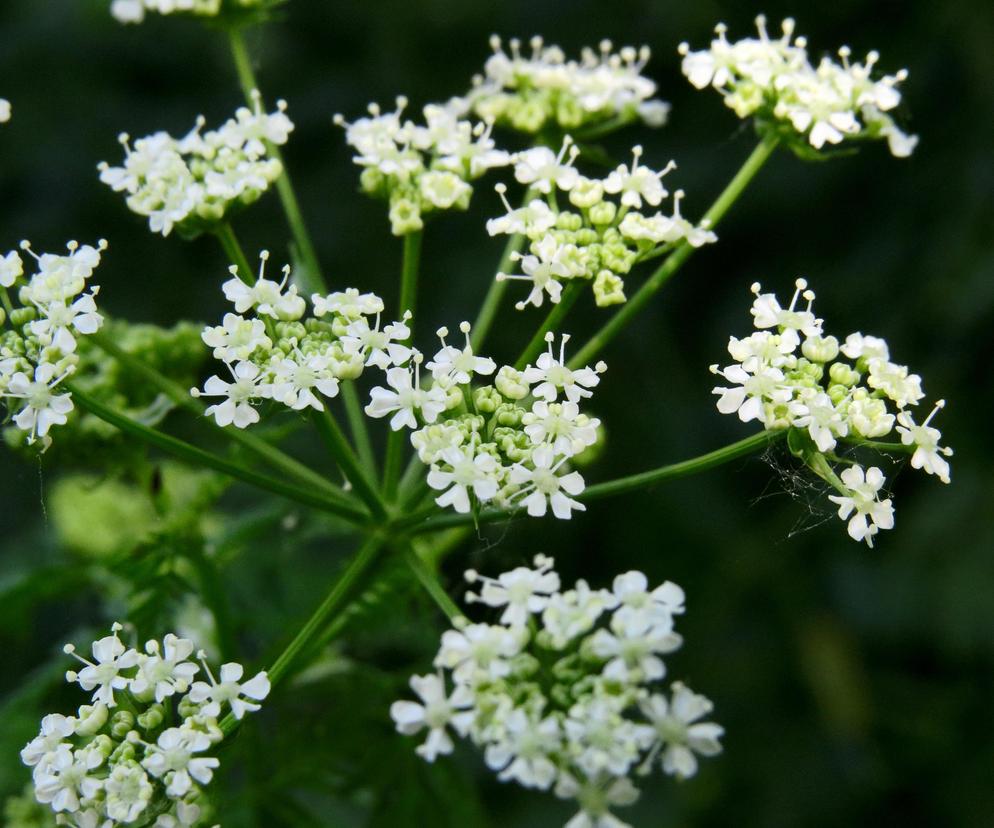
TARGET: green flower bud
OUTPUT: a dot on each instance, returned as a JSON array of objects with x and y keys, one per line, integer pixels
[
  {"x": 511, "y": 383},
  {"x": 372, "y": 181},
  {"x": 152, "y": 718},
  {"x": 90, "y": 718},
  {"x": 609, "y": 289},
  {"x": 508, "y": 415},
  {"x": 569, "y": 112},
  {"x": 569, "y": 221},
  {"x": 837, "y": 393},
  {"x": 528, "y": 116},
  {"x": 603, "y": 213},
  {"x": 586, "y": 193},
  {"x": 843, "y": 374},
  {"x": 405, "y": 217},
  {"x": 820, "y": 348},
  {"x": 487, "y": 399}
]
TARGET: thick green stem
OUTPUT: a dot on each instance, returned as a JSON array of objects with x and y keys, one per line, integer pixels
[
  {"x": 357, "y": 425},
  {"x": 236, "y": 255},
  {"x": 333, "y": 602},
  {"x": 311, "y": 280},
  {"x": 341, "y": 451},
  {"x": 555, "y": 316},
  {"x": 181, "y": 396},
  {"x": 324, "y": 500},
  {"x": 429, "y": 580},
  {"x": 427, "y": 520},
  {"x": 675, "y": 260},
  {"x": 495, "y": 293},
  {"x": 408, "y": 299}
]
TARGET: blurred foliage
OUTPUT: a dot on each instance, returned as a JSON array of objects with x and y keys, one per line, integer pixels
[{"x": 854, "y": 684}]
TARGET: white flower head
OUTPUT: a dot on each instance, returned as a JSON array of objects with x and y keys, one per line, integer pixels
[
  {"x": 103, "y": 674},
  {"x": 545, "y": 171},
  {"x": 680, "y": 732},
  {"x": 241, "y": 697},
  {"x": 868, "y": 513},
  {"x": 436, "y": 712}
]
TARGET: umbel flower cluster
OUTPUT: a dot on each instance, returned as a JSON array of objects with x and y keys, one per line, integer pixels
[
  {"x": 194, "y": 182},
  {"x": 605, "y": 230},
  {"x": 420, "y": 168},
  {"x": 140, "y": 750},
  {"x": 39, "y": 339},
  {"x": 773, "y": 81},
  {"x": 276, "y": 354},
  {"x": 563, "y": 693},
  {"x": 790, "y": 374},
  {"x": 134, "y": 11},
  {"x": 529, "y": 93},
  {"x": 509, "y": 443}
]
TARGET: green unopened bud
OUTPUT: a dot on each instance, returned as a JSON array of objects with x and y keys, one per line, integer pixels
[
  {"x": 586, "y": 193},
  {"x": 487, "y": 399},
  {"x": 508, "y": 415},
  {"x": 820, "y": 348},
  {"x": 609, "y": 289},
  {"x": 569, "y": 221},
  {"x": 90, "y": 719},
  {"x": 405, "y": 217},
  {"x": 511, "y": 383},
  {"x": 528, "y": 116},
  {"x": 372, "y": 181},
  {"x": 569, "y": 112},
  {"x": 603, "y": 213},
  {"x": 843, "y": 374},
  {"x": 837, "y": 393},
  {"x": 21, "y": 316},
  {"x": 152, "y": 718}
]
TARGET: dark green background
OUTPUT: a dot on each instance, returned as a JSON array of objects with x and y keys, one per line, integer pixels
[{"x": 855, "y": 685}]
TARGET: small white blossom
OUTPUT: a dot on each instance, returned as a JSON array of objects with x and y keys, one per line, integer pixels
[
  {"x": 522, "y": 591},
  {"x": 928, "y": 455},
  {"x": 676, "y": 722},
  {"x": 405, "y": 398},
  {"x": 240, "y": 696},
  {"x": 542, "y": 486},
  {"x": 103, "y": 675},
  {"x": 436, "y": 712},
  {"x": 869, "y": 514}
]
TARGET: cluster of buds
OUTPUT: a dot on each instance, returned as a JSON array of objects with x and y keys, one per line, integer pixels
[
  {"x": 420, "y": 168},
  {"x": 602, "y": 233},
  {"x": 140, "y": 752},
  {"x": 789, "y": 374},
  {"x": 772, "y": 80},
  {"x": 275, "y": 353},
  {"x": 510, "y": 443},
  {"x": 194, "y": 182},
  {"x": 39, "y": 339},
  {"x": 563, "y": 692},
  {"x": 529, "y": 93}
]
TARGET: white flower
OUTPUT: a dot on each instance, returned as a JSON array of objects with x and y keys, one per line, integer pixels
[
  {"x": 103, "y": 675},
  {"x": 237, "y": 407},
  {"x": 869, "y": 418},
  {"x": 544, "y": 268},
  {"x": 443, "y": 189},
  {"x": 296, "y": 378},
  {"x": 560, "y": 425},
  {"x": 11, "y": 269},
  {"x": 128, "y": 792},
  {"x": 468, "y": 470},
  {"x": 929, "y": 455},
  {"x": 436, "y": 712},
  {"x": 479, "y": 648},
  {"x": 62, "y": 779},
  {"x": 553, "y": 377},
  {"x": 638, "y": 182},
  {"x": 633, "y": 646},
  {"x": 751, "y": 391},
  {"x": 541, "y": 486},
  {"x": 678, "y": 729},
  {"x": 42, "y": 408},
  {"x": 858, "y": 346},
  {"x": 535, "y": 218},
  {"x": 165, "y": 671},
  {"x": 242, "y": 697},
  {"x": 765, "y": 348},
  {"x": 236, "y": 337},
  {"x": 522, "y": 591},
  {"x": 895, "y": 381},
  {"x": 265, "y": 296},
  {"x": 602, "y": 741},
  {"x": 459, "y": 365},
  {"x": 55, "y": 728},
  {"x": 406, "y": 397},
  {"x": 382, "y": 348},
  {"x": 635, "y": 601},
  {"x": 574, "y": 612},
  {"x": 348, "y": 303},
  {"x": 869, "y": 515},
  {"x": 432, "y": 440},
  {"x": 544, "y": 170},
  {"x": 595, "y": 799},
  {"x": 523, "y": 749},
  {"x": 767, "y": 313},
  {"x": 817, "y": 413},
  {"x": 172, "y": 759}
]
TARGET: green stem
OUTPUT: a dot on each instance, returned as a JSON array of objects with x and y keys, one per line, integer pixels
[
  {"x": 408, "y": 298},
  {"x": 312, "y": 281},
  {"x": 340, "y": 449},
  {"x": 332, "y": 603},
  {"x": 409, "y": 274},
  {"x": 880, "y": 445},
  {"x": 428, "y": 520},
  {"x": 556, "y": 315},
  {"x": 336, "y": 505},
  {"x": 236, "y": 255},
  {"x": 496, "y": 291},
  {"x": 181, "y": 396},
  {"x": 429, "y": 580},
  {"x": 672, "y": 263},
  {"x": 357, "y": 425},
  {"x": 5, "y": 298}
]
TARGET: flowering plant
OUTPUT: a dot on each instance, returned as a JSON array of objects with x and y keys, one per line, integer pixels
[{"x": 563, "y": 692}]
